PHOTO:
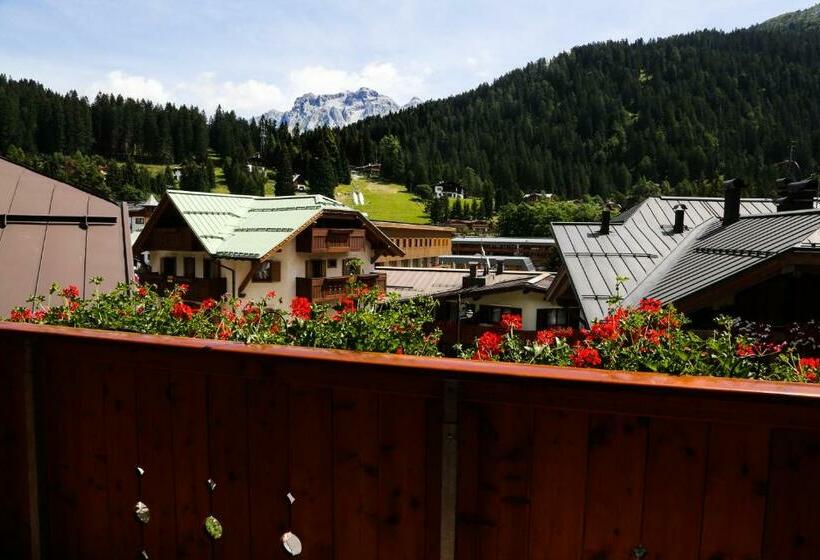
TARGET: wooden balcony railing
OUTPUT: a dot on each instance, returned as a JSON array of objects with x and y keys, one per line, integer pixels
[
  {"x": 328, "y": 240},
  {"x": 327, "y": 290},
  {"x": 198, "y": 288},
  {"x": 404, "y": 456}
]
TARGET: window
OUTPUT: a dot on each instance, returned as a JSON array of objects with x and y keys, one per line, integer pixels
[
  {"x": 207, "y": 267},
  {"x": 491, "y": 314},
  {"x": 169, "y": 266},
  {"x": 331, "y": 263},
  {"x": 268, "y": 271},
  {"x": 557, "y": 317},
  {"x": 315, "y": 268},
  {"x": 139, "y": 220},
  {"x": 189, "y": 267}
]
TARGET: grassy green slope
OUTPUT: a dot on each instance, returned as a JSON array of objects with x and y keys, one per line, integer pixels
[{"x": 383, "y": 201}]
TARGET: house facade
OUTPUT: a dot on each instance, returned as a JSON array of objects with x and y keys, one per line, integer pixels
[
  {"x": 247, "y": 246},
  {"x": 422, "y": 245}
]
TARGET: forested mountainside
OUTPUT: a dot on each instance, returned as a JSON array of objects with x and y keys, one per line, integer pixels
[
  {"x": 800, "y": 19},
  {"x": 598, "y": 118}
]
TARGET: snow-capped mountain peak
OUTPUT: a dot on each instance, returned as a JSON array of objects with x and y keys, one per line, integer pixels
[{"x": 311, "y": 111}]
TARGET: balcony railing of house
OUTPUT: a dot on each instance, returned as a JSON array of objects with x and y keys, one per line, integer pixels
[
  {"x": 330, "y": 240},
  {"x": 389, "y": 456},
  {"x": 198, "y": 288},
  {"x": 328, "y": 290}
]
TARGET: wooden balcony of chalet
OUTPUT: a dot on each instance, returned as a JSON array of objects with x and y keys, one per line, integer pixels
[
  {"x": 198, "y": 288},
  {"x": 446, "y": 455},
  {"x": 330, "y": 240},
  {"x": 329, "y": 290}
]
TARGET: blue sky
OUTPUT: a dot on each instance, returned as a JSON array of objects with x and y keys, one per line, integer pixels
[{"x": 251, "y": 55}]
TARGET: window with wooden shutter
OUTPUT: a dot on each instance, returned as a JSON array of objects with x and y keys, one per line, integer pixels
[{"x": 268, "y": 271}]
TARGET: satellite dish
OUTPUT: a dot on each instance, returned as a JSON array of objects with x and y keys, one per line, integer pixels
[{"x": 292, "y": 544}]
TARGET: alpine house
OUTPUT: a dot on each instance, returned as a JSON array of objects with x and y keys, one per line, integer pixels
[{"x": 247, "y": 246}]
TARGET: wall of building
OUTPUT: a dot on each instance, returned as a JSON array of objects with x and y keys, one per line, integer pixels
[
  {"x": 422, "y": 246},
  {"x": 529, "y": 303},
  {"x": 293, "y": 266}
]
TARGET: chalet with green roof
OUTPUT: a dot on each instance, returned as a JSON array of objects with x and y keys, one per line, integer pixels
[{"x": 247, "y": 246}]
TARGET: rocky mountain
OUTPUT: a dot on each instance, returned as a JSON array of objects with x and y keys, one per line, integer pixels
[{"x": 336, "y": 109}]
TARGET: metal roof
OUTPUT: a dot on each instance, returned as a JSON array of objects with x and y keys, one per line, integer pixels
[
  {"x": 525, "y": 262},
  {"x": 55, "y": 232},
  {"x": 248, "y": 227},
  {"x": 718, "y": 253},
  {"x": 410, "y": 282},
  {"x": 505, "y": 240},
  {"x": 638, "y": 241},
  {"x": 539, "y": 282}
]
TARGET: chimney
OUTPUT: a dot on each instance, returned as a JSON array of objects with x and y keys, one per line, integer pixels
[
  {"x": 796, "y": 195},
  {"x": 606, "y": 215},
  {"x": 680, "y": 214},
  {"x": 731, "y": 201},
  {"x": 499, "y": 266},
  {"x": 473, "y": 279}
]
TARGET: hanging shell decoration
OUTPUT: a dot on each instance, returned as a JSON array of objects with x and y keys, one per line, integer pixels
[
  {"x": 213, "y": 527},
  {"x": 292, "y": 544},
  {"x": 142, "y": 512}
]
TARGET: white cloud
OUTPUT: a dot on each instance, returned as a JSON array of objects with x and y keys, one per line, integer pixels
[
  {"x": 381, "y": 76},
  {"x": 254, "y": 97},
  {"x": 138, "y": 87}
]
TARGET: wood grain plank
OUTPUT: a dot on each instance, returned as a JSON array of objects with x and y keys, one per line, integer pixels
[
  {"x": 311, "y": 470},
  {"x": 121, "y": 450},
  {"x": 558, "y": 484},
  {"x": 189, "y": 418},
  {"x": 433, "y": 454},
  {"x": 735, "y": 497},
  {"x": 675, "y": 479},
  {"x": 228, "y": 449},
  {"x": 356, "y": 474},
  {"x": 402, "y": 476},
  {"x": 268, "y": 441},
  {"x": 614, "y": 494},
  {"x": 155, "y": 445},
  {"x": 793, "y": 505},
  {"x": 468, "y": 518}
]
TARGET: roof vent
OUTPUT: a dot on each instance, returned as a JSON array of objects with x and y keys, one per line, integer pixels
[
  {"x": 680, "y": 214},
  {"x": 731, "y": 200},
  {"x": 473, "y": 279},
  {"x": 606, "y": 217},
  {"x": 796, "y": 195}
]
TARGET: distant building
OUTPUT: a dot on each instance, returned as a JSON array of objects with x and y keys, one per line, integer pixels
[
  {"x": 140, "y": 212},
  {"x": 463, "y": 227},
  {"x": 370, "y": 170},
  {"x": 509, "y": 263},
  {"x": 246, "y": 246},
  {"x": 448, "y": 189},
  {"x": 54, "y": 232},
  {"x": 536, "y": 197},
  {"x": 422, "y": 244},
  {"x": 541, "y": 250},
  {"x": 299, "y": 183},
  {"x": 752, "y": 258}
]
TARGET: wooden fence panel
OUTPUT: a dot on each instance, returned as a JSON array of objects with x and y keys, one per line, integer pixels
[{"x": 551, "y": 463}]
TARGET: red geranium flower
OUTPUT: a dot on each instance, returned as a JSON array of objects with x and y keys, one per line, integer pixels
[
  {"x": 545, "y": 337},
  {"x": 348, "y": 305},
  {"x": 70, "y": 292},
  {"x": 489, "y": 343},
  {"x": 606, "y": 329},
  {"x": 142, "y": 291},
  {"x": 650, "y": 305},
  {"x": 809, "y": 363},
  {"x": 301, "y": 308},
  {"x": 271, "y": 294},
  {"x": 182, "y": 311},
  {"x": 511, "y": 321},
  {"x": 207, "y": 303},
  {"x": 583, "y": 356},
  {"x": 744, "y": 350}
]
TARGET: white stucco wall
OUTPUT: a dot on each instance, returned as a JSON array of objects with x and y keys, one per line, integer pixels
[
  {"x": 293, "y": 266},
  {"x": 529, "y": 304}
]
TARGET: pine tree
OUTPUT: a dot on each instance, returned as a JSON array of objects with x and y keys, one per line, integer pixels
[{"x": 284, "y": 172}]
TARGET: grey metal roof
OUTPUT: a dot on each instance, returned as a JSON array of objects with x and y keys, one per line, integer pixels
[
  {"x": 410, "y": 282},
  {"x": 718, "y": 253},
  {"x": 537, "y": 283},
  {"x": 638, "y": 241},
  {"x": 525, "y": 262},
  {"x": 504, "y": 240}
]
